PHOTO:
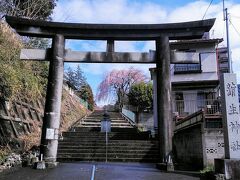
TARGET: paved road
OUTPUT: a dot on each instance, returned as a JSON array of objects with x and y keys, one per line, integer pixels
[{"x": 104, "y": 171}]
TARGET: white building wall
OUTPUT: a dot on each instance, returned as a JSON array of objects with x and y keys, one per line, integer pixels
[
  {"x": 209, "y": 67},
  {"x": 195, "y": 77},
  {"x": 208, "y": 62}
]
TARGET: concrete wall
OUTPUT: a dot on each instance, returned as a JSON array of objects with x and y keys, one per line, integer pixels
[
  {"x": 187, "y": 147},
  {"x": 213, "y": 143},
  {"x": 195, "y": 148},
  {"x": 146, "y": 121}
]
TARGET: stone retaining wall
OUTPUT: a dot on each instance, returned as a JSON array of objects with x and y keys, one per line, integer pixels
[{"x": 18, "y": 118}]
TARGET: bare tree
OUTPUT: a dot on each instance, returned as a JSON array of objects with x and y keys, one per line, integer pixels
[{"x": 32, "y": 9}]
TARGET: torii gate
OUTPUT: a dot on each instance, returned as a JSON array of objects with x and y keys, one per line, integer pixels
[{"x": 57, "y": 55}]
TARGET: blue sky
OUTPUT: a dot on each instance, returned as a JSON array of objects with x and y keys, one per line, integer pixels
[{"x": 143, "y": 11}]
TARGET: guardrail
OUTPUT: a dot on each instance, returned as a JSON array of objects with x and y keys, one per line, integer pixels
[{"x": 129, "y": 116}]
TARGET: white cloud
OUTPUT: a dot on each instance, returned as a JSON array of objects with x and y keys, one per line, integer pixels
[
  {"x": 126, "y": 11},
  {"x": 86, "y": 45},
  {"x": 100, "y": 69},
  {"x": 108, "y": 11}
]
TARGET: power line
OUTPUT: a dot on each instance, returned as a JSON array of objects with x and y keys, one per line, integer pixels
[
  {"x": 207, "y": 9},
  {"x": 234, "y": 28}
]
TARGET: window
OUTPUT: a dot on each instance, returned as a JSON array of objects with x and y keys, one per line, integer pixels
[
  {"x": 179, "y": 103},
  {"x": 187, "y": 68}
]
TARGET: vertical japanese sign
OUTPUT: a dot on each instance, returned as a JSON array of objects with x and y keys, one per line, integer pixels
[{"x": 231, "y": 114}]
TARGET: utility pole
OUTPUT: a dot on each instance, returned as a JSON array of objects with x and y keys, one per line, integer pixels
[
  {"x": 223, "y": 10},
  {"x": 225, "y": 16}
]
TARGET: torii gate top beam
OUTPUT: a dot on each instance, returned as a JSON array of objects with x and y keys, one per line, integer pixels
[{"x": 175, "y": 31}]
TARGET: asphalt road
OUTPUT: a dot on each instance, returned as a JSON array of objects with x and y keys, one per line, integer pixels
[{"x": 103, "y": 171}]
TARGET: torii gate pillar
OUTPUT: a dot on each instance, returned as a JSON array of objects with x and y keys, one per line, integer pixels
[
  {"x": 164, "y": 100},
  {"x": 51, "y": 120}
]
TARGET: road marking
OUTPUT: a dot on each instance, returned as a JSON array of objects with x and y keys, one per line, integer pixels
[{"x": 93, "y": 172}]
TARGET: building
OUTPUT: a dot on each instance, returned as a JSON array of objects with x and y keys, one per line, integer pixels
[
  {"x": 195, "y": 85},
  {"x": 198, "y": 133}
]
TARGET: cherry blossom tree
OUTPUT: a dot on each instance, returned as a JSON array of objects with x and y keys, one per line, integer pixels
[{"x": 118, "y": 82}]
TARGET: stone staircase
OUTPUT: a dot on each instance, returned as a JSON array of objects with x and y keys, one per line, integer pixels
[
  {"x": 85, "y": 142},
  {"x": 94, "y": 120}
]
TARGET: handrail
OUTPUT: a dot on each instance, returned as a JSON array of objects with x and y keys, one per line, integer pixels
[
  {"x": 128, "y": 119},
  {"x": 72, "y": 126},
  {"x": 190, "y": 116}
]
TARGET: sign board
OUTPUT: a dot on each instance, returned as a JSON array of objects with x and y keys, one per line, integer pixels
[
  {"x": 105, "y": 126},
  {"x": 50, "y": 133},
  {"x": 231, "y": 115}
]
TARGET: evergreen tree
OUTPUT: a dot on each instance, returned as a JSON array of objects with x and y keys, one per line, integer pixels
[
  {"x": 75, "y": 78},
  {"x": 86, "y": 94},
  {"x": 80, "y": 78},
  {"x": 69, "y": 77},
  {"x": 141, "y": 96}
]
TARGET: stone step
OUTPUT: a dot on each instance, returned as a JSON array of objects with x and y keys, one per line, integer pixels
[
  {"x": 98, "y": 129},
  {"x": 99, "y": 123},
  {"x": 99, "y": 120},
  {"x": 112, "y": 123},
  {"x": 103, "y": 159},
  {"x": 75, "y": 138},
  {"x": 102, "y": 149},
  {"x": 110, "y": 114},
  {"x": 113, "y": 145},
  {"x": 110, "y": 137},
  {"x": 89, "y": 147},
  {"x": 102, "y": 143},
  {"x": 100, "y": 134},
  {"x": 110, "y": 150},
  {"x": 114, "y": 126},
  {"x": 95, "y": 133},
  {"x": 111, "y": 141},
  {"x": 101, "y": 117},
  {"x": 96, "y": 121},
  {"x": 103, "y": 139},
  {"x": 110, "y": 155}
]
